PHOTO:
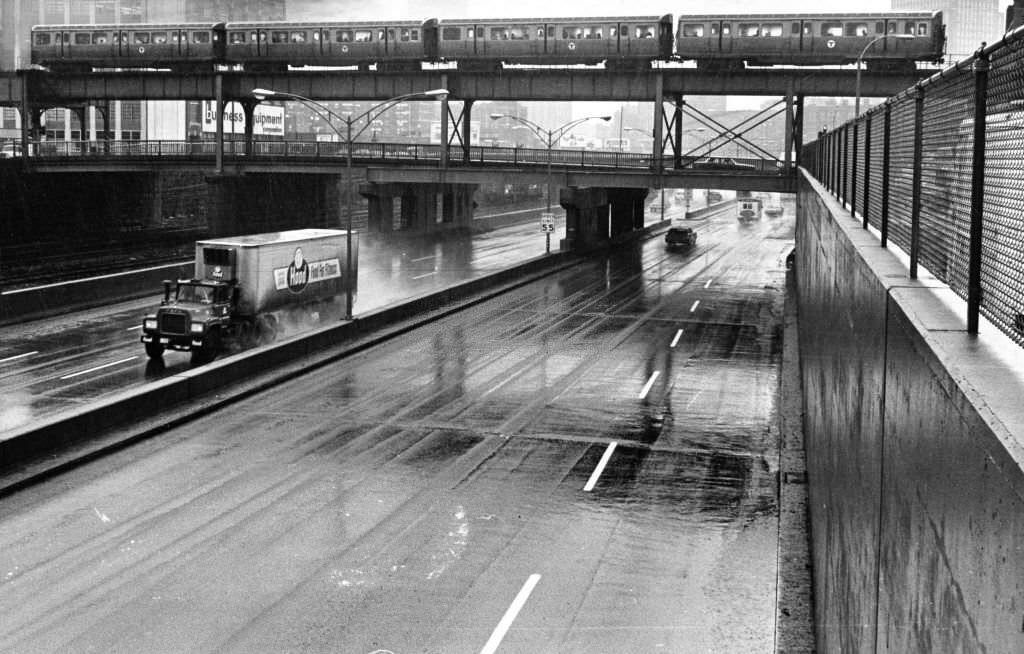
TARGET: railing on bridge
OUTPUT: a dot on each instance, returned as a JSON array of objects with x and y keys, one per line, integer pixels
[
  {"x": 938, "y": 170},
  {"x": 394, "y": 153}
]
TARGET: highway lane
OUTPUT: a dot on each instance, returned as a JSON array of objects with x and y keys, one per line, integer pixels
[
  {"x": 585, "y": 464},
  {"x": 51, "y": 365}
]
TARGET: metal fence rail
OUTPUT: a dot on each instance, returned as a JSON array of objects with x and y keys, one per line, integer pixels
[{"x": 939, "y": 170}]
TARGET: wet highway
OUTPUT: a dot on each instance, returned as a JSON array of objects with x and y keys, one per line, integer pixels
[
  {"x": 51, "y": 365},
  {"x": 586, "y": 464}
]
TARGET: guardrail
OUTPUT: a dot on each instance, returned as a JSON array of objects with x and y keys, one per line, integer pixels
[{"x": 400, "y": 153}]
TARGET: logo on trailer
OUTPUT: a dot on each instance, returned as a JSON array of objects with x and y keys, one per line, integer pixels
[
  {"x": 298, "y": 272},
  {"x": 831, "y": 43},
  {"x": 218, "y": 273}
]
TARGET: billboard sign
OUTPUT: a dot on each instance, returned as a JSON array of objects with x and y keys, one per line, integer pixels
[{"x": 268, "y": 119}]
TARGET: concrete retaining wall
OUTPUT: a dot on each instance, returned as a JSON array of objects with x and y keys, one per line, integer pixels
[
  {"x": 44, "y": 301},
  {"x": 914, "y": 435}
]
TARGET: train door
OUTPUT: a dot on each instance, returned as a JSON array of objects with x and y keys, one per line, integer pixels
[
  {"x": 722, "y": 31},
  {"x": 123, "y": 45},
  {"x": 431, "y": 37}
]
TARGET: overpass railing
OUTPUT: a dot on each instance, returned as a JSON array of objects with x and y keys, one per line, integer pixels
[
  {"x": 939, "y": 171},
  {"x": 388, "y": 153}
]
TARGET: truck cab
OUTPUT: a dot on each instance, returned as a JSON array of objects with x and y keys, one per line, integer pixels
[{"x": 192, "y": 320}]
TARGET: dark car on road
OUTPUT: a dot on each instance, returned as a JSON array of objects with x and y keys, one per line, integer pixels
[{"x": 680, "y": 237}]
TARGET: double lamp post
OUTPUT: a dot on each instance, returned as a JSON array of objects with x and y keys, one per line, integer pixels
[
  {"x": 370, "y": 115},
  {"x": 549, "y": 137}
]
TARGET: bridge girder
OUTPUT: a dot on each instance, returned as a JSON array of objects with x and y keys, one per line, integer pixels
[{"x": 62, "y": 89}]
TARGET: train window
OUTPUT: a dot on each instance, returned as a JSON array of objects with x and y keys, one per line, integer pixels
[
  {"x": 499, "y": 33},
  {"x": 343, "y": 36},
  {"x": 141, "y": 38},
  {"x": 159, "y": 37},
  {"x": 795, "y": 29},
  {"x": 316, "y": 35},
  {"x": 175, "y": 37},
  {"x": 693, "y": 29},
  {"x": 404, "y": 34},
  {"x": 831, "y": 29},
  {"x": 771, "y": 29},
  {"x": 391, "y": 35},
  {"x": 237, "y": 38},
  {"x": 200, "y": 37},
  {"x": 452, "y": 33},
  {"x": 645, "y": 31},
  {"x": 82, "y": 38},
  {"x": 42, "y": 39},
  {"x": 879, "y": 27},
  {"x": 518, "y": 33},
  {"x": 364, "y": 36},
  {"x": 908, "y": 28},
  {"x": 415, "y": 35},
  {"x": 470, "y": 33},
  {"x": 893, "y": 27},
  {"x": 551, "y": 31},
  {"x": 279, "y": 37},
  {"x": 856, "y": 29},
  {"x": 100, "y": 38},
  {"x": 922, "y": 29},
  {"x": 540, "y": 32},
  {"x": 298, "y": 37},
  {"x": 749, "y": 29}
]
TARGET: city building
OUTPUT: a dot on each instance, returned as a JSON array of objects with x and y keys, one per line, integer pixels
[{"x": 969, "y": 23}]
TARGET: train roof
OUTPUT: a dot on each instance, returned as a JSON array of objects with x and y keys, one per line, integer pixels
[
  {"x": 580, "y": 19},
  {"x": 126, "y": 27},
  {"x": 820, "y": 16},
  {"x": 323, "y": 23}
]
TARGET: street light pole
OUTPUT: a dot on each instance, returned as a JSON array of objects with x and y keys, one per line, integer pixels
[
  {"x": 549, "y": 137},
  {"x": 324, "y": 112},
  {"x": 856, "y": 102}
]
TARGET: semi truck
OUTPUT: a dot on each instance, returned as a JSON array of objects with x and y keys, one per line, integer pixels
[{"x": 246, "y": 288}]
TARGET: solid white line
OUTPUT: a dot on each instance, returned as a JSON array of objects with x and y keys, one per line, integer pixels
[
  {"x": 510, "y": 615},
  {"x": 650, "y": 382},
  {"x": 426, "y": 275},
  {"x": 594, "y": 476},
  {"x": 708, "y": 284},
  {"x": 131, "y": 329},
  {"x": 694, "y": 307},
  {"x": 675, "y": 341},
  {"x": 19, "y": 356},
  {"x": 85, "y": 279},
  {"x": 433, "y": 256},
  {"x": 105, "y": 365}
]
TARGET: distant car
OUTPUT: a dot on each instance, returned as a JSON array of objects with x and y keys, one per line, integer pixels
[
  {"x": 10, "y": 150},
  {"x": 680, "y": 237},
  {"x": 714, "y": 196},
  {"x": 656, "y": 207},
  {"x": 773, "y": 211},
  {"x": 722, "y": 163}
]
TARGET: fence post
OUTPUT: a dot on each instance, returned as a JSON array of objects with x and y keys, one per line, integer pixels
[
  {"x": 867, "y": 169},
  {"x": 915, "y": 194},
  {"x": 854, "y": 167},
  {"x": 886, "y": 140},
  {"x": 845, "y": 163},
  {"x": 981, "y": 66}
]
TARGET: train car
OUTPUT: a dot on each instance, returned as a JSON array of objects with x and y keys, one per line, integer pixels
[
  {"x": 620, "y": 42},
  {"x": 724, "y": 42},
  {"x": 275, "y": 46},
  {"x": 185, "y": 46}
]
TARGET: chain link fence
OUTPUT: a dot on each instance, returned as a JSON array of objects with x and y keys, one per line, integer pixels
[{"x": 939, "y": 171}]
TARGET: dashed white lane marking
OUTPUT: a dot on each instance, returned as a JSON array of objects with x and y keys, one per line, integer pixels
[
  {"x": 425, "y": 275},
  {"x": 105, "y": 365},
  {"x": 675, "y": 341},
  {"x": 708, "y": 284},
  {"x": 594, "y": 476},
  {"x": 647, "y": 386},
  {"x": 131, "y": 329},
  {"x": 510, "y": 615},
  {"x": 19, "y": 356},
  {"x": 694, "y": 307},
  {"x": 432, "y": 256}
]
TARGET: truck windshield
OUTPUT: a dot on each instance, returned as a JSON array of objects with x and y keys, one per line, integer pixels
[{"x": 199, "y": 294}]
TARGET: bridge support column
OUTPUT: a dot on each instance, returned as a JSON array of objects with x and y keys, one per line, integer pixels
[
  {"x": 423, "y": 207},
  {"x": 627, "y": 210},
  {"x": 586, "y": 218}
]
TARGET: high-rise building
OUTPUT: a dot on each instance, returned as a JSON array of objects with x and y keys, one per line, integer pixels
[{"x": 969, "y": 23}]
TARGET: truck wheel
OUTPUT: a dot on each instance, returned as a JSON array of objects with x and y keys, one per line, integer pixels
[
  {"x": 154, "y": 350},
  {"x": 211, "y": 346}
]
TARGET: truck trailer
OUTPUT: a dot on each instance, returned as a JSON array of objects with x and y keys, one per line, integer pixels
[{"x": 246, "y": 287}]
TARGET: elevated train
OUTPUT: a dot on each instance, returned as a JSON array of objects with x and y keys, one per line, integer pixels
[{"x": 714, "y": 42}]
